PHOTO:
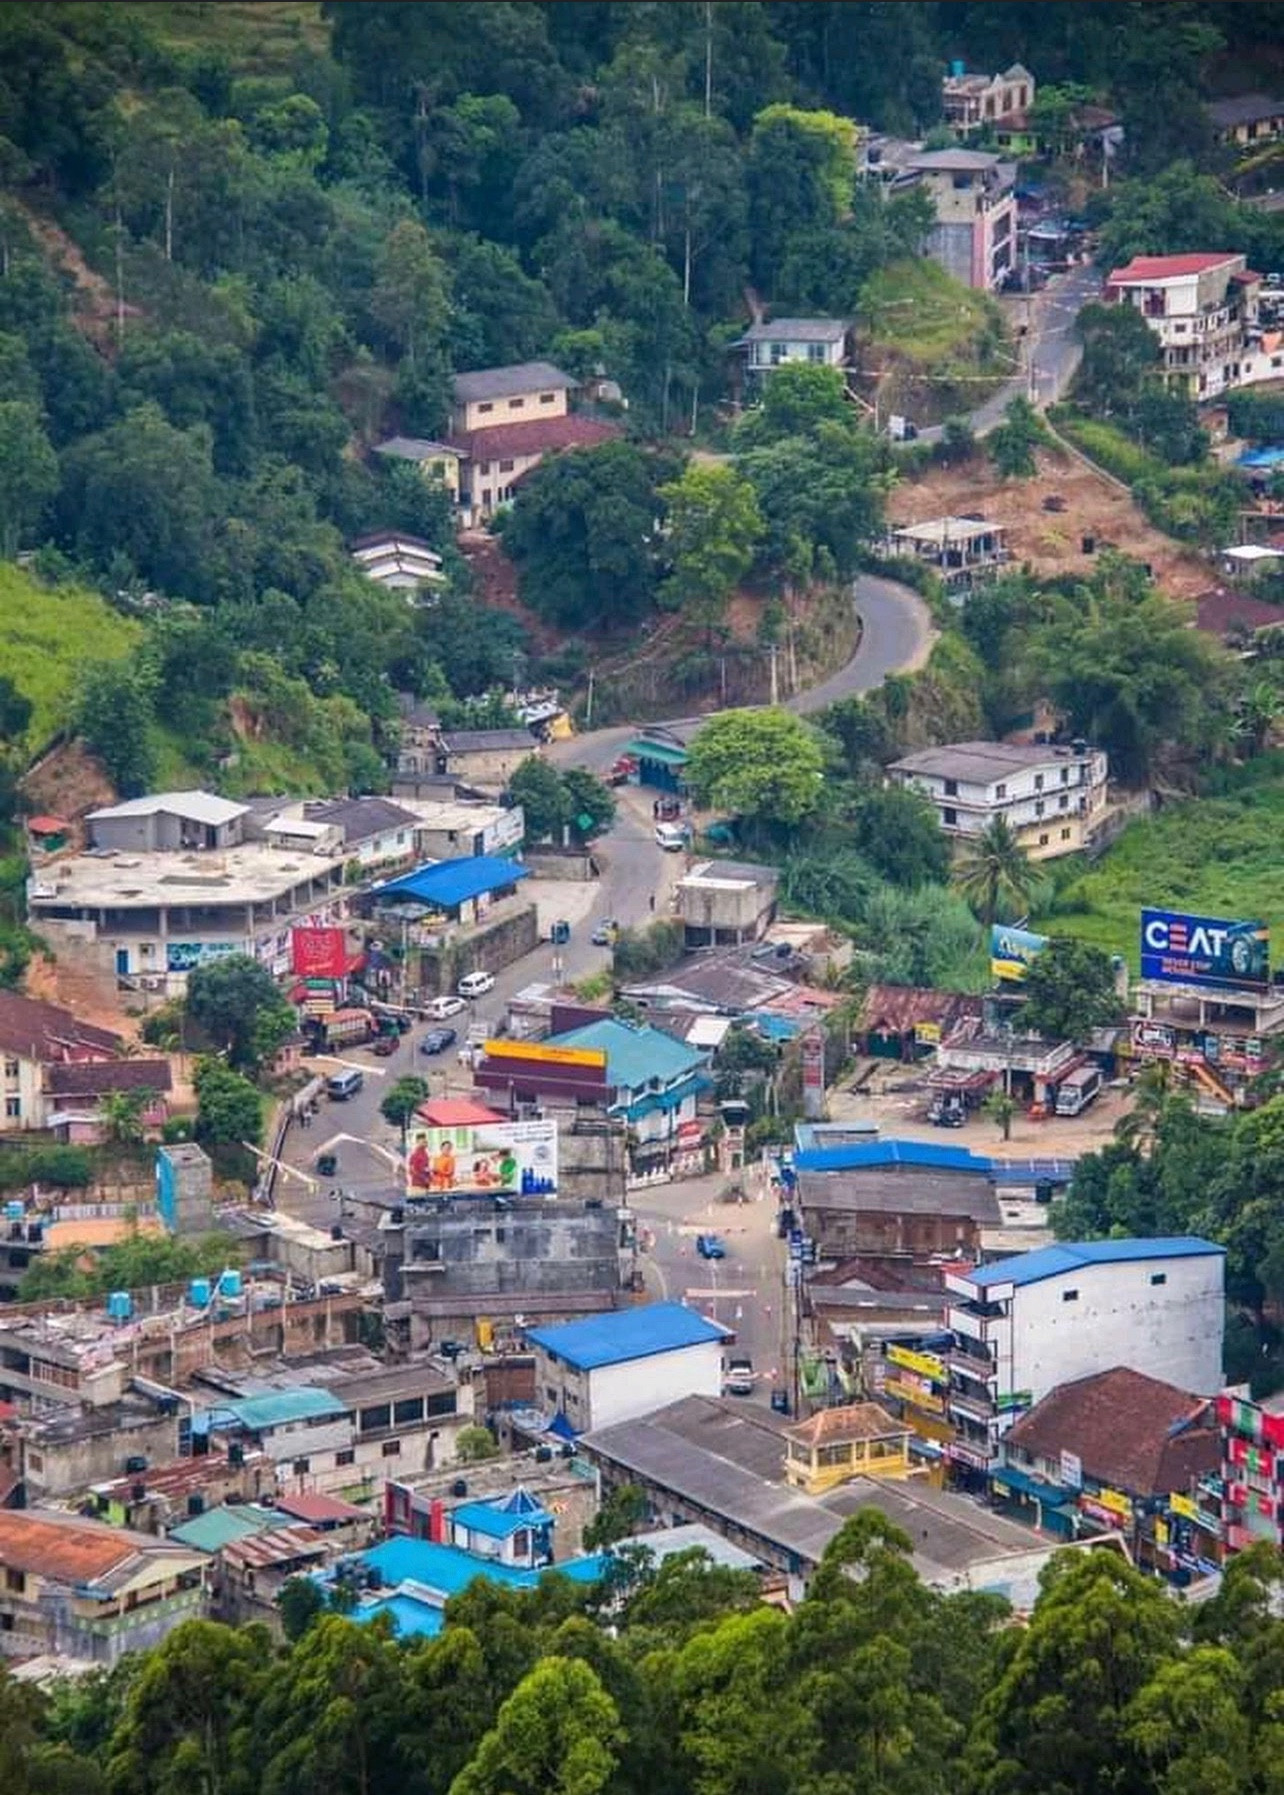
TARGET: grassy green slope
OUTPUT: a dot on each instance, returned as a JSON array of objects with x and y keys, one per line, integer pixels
[
  {"x": 47, "y": 637},
  {"x": 1211, "y": 856},
  {"x": 258, "y": 37}
]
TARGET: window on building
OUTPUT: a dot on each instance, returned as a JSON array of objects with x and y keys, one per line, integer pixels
[
  {"x": 302, "y": 1466},
  {"x": 15, "y": 1580},
  {"x": 949, "y": 817},
  {"x": 1065, "y": 834},
  {"x": 1038, "y": 782},
  {"x": 505, "y": 467},
  {"x": 1001, "y": 790},
  {"x": 1064, "y": 802},
  {"x": 1038, "y": 807},
  {"x": 548, "y": 398},
  {"x": 411, "y": 1408},
  {"x": 516, "y": 404},
  {"x": 1069, "y": 1296},
  {"x": 951, "y": 788},
  {"x": 372, "y": 1419},
  {"x": 13, "y": 1108},
  {"x": 346, "y": 1457},
  {"x": 11, "y": 1068},
  {"x": 441, "y": 1403},
  {"x": 391, "y": 1449},
  {"x": 485, "y": 406},
  {"x": 501, "y": 1234},
  {"x": 815, "y": 352},
  {"x": 1043, "y": 841},
  {"x": 35, "y": 1461},
  {"x": 6, "y": 1623},
  {"x": 1159, "y": 1277},
  {"x": 550, "y": 1393}
]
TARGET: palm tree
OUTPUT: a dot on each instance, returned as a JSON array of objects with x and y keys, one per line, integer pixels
[
  {"x": 1153, "y": 1099},
  {"x": 993, "y": 873}
]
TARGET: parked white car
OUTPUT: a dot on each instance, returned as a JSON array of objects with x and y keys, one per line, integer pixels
[
  {"x": 476, "y": 984},
  {"x": 441, "y": 1008}
]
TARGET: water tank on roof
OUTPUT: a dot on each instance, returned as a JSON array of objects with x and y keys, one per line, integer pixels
[
  {"x": 459, "y": 1487},
  {"x": 120, "y": 1305},
  {"x": 958, "y": 66},
  {"x": 229, "y": 1284},
  {"x": 198, "y": 1293},
  {"x": 13, "y": 1210}
]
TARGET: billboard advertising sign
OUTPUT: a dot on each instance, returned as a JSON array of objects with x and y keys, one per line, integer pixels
[
  {"x": 318, "y": 953},
  {"x": 514, "y": 1159},
  {"x": 186, "y": 956},
  {"x": 538, "y": 1053},
  {"x": 1204, "y": 950},
  {"x": 1153, "y": 1037},
  {"x": 1013, "y": 951}
]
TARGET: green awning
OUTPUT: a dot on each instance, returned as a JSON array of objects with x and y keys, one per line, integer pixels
[{"x": 662, "y": 751}]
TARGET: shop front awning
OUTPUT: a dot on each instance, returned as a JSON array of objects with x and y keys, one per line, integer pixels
[{"x": 1020, "y": 1484}]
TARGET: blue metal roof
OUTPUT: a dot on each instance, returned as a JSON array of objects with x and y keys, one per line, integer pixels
[
  {"x": 862, "y": 1155},
  {"x": 1051, "y": 1262},
  {"x": 445, "y": 1571},
  {"x": 452, "y": 882},
  {"x": 274, "y": 1408},
  {"x": 412, "y": 1616},
  {"x": 627, "y": 1334},
  {"x": 635, "y": 1053},
  {"x": 500, "y": 1520}
]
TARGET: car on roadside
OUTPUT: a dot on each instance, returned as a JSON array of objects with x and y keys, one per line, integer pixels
[
  {"x": 444, "y": 1007},
  {"x": 385, "y": 1045},
  {"x": 710, "y": 1246},
  {"x": 476, "y": 984},
  {"x": 604, "y": 934},
  {"x": 738, "y": 1378},
  {"x": 437, "y": 1040}
]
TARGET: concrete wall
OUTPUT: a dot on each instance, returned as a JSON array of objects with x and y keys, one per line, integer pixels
[
  {"x": 489, "y": 769},
  {"x": 489, "y": 949},
  {"x": 622, "y": 1392},
  {"x": 543, "y": 1248},
  {"x": 53, "y": 1468}
]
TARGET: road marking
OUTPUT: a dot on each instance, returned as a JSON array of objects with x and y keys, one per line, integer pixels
[
  {"x": 716, "y": 1295},
  {"x": 332, "y": 1059}
]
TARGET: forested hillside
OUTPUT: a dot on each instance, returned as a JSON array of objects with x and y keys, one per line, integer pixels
[{"x": 238, "y": 244}]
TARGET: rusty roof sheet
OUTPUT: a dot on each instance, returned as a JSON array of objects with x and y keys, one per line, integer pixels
[
  {"x": 276, "y": 1546},
  {"x": 65, "y": 1548}
]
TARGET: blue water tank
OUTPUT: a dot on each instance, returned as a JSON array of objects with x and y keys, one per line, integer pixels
[
  {"x": 120, "y": 1305},
  {"x": 958, "y": 67},
  {"x": 13, "y": 1210},
  {"x": 230, "y": 1284},
  {"x": 198, "y": 1293}
]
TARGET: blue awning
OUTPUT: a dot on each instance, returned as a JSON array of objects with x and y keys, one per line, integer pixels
[{"x": 1050, "y": 1494}]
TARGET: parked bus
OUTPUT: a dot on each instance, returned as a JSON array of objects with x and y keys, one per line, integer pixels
[{"x": 1077, "y": 1090}]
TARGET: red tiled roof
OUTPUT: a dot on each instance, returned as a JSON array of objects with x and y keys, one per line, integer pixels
[
  {"x": 316, "y": 1508},
  {"x": 68, "y": 1551},
  {"x": 29, "y": 1026},
  {"x": 538, "y": 436},
  {"x": 93, "y": 1078},
  {"x": 456, "y": 1112},
  {"x": 1143, "y": 268},
  {"x": 47, "y": 825},
  {"x": 1126, "y": 1429},
  {"x": 1217, "y": 611}
]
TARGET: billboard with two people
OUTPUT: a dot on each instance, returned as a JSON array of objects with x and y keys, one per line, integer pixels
[
  {"x": 1178, "y": 949},
  {"x": 503, "y": 1159}
]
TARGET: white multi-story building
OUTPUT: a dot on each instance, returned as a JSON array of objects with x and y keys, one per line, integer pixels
[
  {"x": 1050, "y": 797},
  {"x": 1203, "y": 309},
  {"x": 1025, "y": 1325},
  {"x": 608, "y": 1368}
]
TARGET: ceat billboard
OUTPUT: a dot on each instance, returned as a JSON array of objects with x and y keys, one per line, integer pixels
[
  {"x": 1204, "y": 950},
  {"x": 318, "y": 953},
  {"x": 506, "y": 1159}
]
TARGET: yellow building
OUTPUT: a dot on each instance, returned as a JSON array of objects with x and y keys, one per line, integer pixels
[{"x": 834, "y": 1446}]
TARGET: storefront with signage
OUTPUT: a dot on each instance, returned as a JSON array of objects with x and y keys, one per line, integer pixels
[{"x": 915, "y": 1384}]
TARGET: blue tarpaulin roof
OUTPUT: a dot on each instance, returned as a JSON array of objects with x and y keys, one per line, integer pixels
[
  {"x": 452, "y": 882},
  {"x": 626, "y": 1334}
]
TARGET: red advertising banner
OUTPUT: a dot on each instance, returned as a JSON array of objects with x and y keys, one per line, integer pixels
[{"x": 318, "y": 953}]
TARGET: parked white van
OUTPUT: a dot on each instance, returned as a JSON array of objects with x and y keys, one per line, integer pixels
[{"x": 672, "y": 837}]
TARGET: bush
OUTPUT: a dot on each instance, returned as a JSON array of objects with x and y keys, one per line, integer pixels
[
  {"x": 69, "y": 1168},
  {"x": 640, "y": 952}
]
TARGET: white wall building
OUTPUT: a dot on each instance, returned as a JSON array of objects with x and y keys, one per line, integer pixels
[
  {"x": 822, "y": 342},
  {"x": 615, "y": 1367},
  {"x": 1051, "y": 797},
  {"x": 1024, "y": 1325},
  {"x": 1203, "y": 309}
]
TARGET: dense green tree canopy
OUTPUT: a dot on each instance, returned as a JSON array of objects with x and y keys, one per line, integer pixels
[{"x": 764, "y": 765}]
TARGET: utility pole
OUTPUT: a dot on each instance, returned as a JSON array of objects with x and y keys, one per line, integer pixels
[
  {"x": 708, "y": 58},
  {"x": 775, "y": 684},
  {"x": 588, "y": 705}
]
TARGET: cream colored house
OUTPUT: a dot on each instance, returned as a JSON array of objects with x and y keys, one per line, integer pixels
[{"x": 835, "y": 1445}]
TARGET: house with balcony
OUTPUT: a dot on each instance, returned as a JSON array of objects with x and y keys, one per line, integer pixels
[
  {"x": 974, "y": 236},
  {"x": 1203, "y": 310},
  {"x": 815, "y": 342},
  {"x": 973, "y": 102},
  {"x": 1247, "y": 121},
  {"x": 854, "y": 1440},
  {"x": 1250, "y": 1489},
  {"x": 1022, "y": 1326},
  {"x": 965, "y": 552},
  {"x": 1052, "y": 797}
]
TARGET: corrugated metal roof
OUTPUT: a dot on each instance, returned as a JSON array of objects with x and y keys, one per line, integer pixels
[
  {"x": 1051, "y": 1262},
  {"x": 453, "y": 882},
  {"x": 510, "y": 382},
  {"x": 277, "y": 1545},
  {"x": 627, "y": 1334},
  {"x": 219, "y": 1527},
  {"x": 275, "y": 1408},
  {"x": 196, "y": 807},
  {"x": 873, "y": 1155},
  {"x": 635, "y": 1054}
]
